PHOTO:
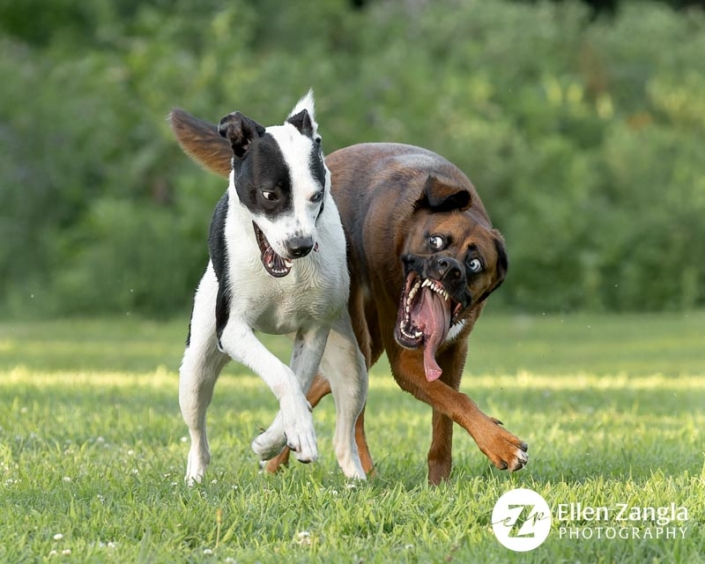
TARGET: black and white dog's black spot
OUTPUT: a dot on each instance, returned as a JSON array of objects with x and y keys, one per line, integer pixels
[
  {"x": 219, "y": 259},
  {"x": 280, "y": 177},
  {"x": 263, "y": 180}
]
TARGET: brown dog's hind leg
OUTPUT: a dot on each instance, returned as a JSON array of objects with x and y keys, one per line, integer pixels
[
  {"x": 319, "y": 389},
  {"x": 440, "y": 456},
  {"x": 362, "y": 448}
]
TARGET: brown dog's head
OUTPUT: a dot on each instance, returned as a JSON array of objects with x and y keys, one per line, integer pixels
[{"x": 453, "y": 260}]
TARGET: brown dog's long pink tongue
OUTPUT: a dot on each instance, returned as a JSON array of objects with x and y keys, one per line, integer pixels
[{"x": 433, "y": 318}]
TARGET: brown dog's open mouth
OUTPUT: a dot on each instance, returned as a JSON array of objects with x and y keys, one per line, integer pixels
[
  {"x": 426, "y": 313},
  {"x": 274, "y": 264}
]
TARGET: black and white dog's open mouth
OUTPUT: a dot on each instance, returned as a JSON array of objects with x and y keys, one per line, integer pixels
[{"x": 274, "y": 264}]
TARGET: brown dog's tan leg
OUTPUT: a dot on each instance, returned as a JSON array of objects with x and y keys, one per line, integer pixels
[
  {"x": 282, "y": 459},
  {"x": 440, "y": 455},
  {"x": 504, "y": 450},
  {"x": 362, "y": 448},
  {"x": 440, "y": 459}
]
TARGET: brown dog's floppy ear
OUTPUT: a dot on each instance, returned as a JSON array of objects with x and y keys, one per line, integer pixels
[
  {"x": 442, "y": 195},
  {"x": 200, "y": 141},
  {"x": 502, "y": 264},
  {"x": 240, "y": 131},
  {"x": 502, "y": 259}
]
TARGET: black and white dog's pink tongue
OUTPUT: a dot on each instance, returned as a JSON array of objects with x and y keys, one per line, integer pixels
[
  {"x": 274, "y": 264},
  {"x": 433, "y": 318},
  {"x": 269, "y": 258}
]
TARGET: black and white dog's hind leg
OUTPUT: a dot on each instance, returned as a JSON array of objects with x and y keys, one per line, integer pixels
[
  {"x": 200, "y": 367},
  {"x": 343, "y": 365}
]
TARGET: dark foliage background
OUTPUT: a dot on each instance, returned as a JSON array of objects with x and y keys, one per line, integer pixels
[{"x": 583, "y": 129}]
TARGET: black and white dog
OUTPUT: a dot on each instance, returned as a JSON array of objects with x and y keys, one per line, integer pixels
[{"x": 277, "y": 265}]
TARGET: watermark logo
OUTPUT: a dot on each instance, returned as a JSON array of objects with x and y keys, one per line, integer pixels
[
  {"x": 521, "y": 520},
  {"x": 621, "y": 521}
]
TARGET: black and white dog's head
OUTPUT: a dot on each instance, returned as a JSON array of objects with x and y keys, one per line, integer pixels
[{"x": 279, "y": 175}]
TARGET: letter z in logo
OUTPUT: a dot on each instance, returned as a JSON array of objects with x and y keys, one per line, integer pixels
[{"x": 521, "y": 520}]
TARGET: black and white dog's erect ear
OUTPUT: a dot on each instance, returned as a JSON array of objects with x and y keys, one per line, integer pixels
[
  {"x": 240, "y": 131},
  {"x": 302, "y": 122},
  {"x": 303, "y": 117}
]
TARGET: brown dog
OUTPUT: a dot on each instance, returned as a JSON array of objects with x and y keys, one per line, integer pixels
[{"x": 423, "y": 258}]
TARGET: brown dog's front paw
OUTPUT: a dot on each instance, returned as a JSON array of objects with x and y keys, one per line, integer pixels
[{"x": 505, "y": 451}]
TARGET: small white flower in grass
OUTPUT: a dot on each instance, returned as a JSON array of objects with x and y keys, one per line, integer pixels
[
  {"x": 351, "y": 485},
  {"x": 112, "y": 545},
  {"x": 135, "y": 471},
  {"x": 66, "y": 551},
  {"x": 184, "y": 439},
  {"x": 67, "y": 478},
  {"x": 230, "y": 560},
  {"x": 130, "y": 452},
  {"x": 207, "y": 551},
  {"x": 303, "y": 537},
  {"x": 53, "y": 553},
  {"x": 214, "y": 481},
  {"x": 408, "y": 546},
  {"x": 58, "y": 536}
]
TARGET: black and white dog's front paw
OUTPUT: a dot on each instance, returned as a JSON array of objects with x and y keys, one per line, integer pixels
[
  {"x": 269, "y": 444},
  {"x": 294, "y": 431}
]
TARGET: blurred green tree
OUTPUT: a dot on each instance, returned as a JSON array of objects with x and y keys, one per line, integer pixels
[{"x": 584, "y": 136}]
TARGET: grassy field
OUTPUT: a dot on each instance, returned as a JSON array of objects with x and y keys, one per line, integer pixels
[{"x": 93, "y": 449}]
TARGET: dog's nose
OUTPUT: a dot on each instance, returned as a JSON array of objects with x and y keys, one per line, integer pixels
[
  {"x": 448, "y": 268},
  {"x": 299, "y": 246}
]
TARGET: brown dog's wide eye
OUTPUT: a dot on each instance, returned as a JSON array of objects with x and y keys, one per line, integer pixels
[
  {"x": 436, "y": 242},
  {"x": 475, "y": 265}
]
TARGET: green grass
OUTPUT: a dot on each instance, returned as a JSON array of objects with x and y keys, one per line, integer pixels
[{"x": 93, "y": 449}]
